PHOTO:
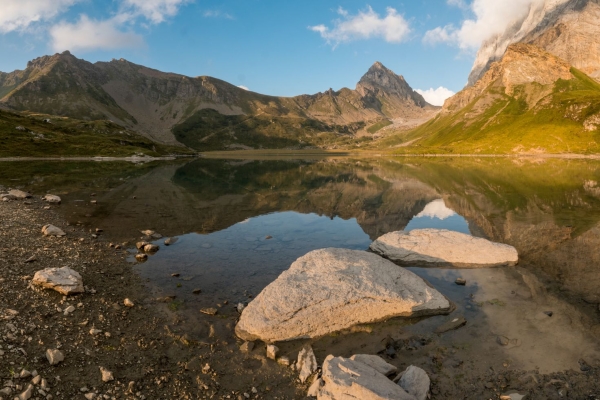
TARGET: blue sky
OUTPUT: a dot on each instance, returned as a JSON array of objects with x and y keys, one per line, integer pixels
[{"x": 276, "y": 47}]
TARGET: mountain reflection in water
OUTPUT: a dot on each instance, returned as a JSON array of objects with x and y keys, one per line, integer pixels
[{"x": 224, "y": 210}]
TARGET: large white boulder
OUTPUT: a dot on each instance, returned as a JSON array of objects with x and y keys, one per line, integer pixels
[
  {"x": 329, "y": 290},
  {"x": 64, "y": 280},
  {"x": 345, "y": 379},
  {"x": 440, "y": 247}
]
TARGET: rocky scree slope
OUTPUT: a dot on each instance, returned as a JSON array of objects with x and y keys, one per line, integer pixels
[
  {"x": 528, "y": 102},
  {"x": 203, "y": 112}
]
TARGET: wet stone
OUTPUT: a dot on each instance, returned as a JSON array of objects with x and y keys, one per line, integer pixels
[{"x": 451, "y": 325}]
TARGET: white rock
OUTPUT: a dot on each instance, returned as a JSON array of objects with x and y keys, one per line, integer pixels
[
  {"x": 107, "y": 376},
  {"x": 51, "y": 230},
  {"x": 307, "y": 363},
  {"x": 333, "y": 289},
  {"x": 443, "y": 248},
  {"x": 272, "y": 351},
  {"x": 94, "y": 331},
  {"x": 26, "y": 395},
  {"x": 54, "y": 356},
  {"x": 69, "y": 309},
  {"x": 90, "y": 396},
  {"x": 416, "y": 382},
  {"x": 50, "y": 198},
  {"x": 19, "y": 194},
  {"x": 128, "y": 303},
  {"x": 151, "y": 248},
  {"x": 313, "y": 390},
  {"x": 375, "y": 362},
  {"x": 349, "y": 379},
  {"x": 64, "y": 280}
]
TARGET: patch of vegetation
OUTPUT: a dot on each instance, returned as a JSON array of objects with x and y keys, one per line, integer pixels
[
  {"x": 379, "y": 125},
  {"x": 28, "y": 135},
  {"x": 554, "y": 125}
]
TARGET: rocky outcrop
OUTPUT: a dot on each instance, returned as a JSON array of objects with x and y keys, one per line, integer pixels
[
  {"x": 330, "y": 290},
  {"x": 566, "y": 28},
  {"x": 433, "y": 247},
  {"x": 347, "y": 378},
  {"x": 64, "y": 280}
]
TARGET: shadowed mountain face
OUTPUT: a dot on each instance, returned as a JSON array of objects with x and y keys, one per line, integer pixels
[{"x": 153, "y": 103}]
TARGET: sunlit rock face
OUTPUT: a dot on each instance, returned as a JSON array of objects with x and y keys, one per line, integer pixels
[{"x": 566, "y": 28}]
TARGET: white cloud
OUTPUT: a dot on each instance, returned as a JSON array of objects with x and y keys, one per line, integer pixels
[
  {"x": 88, "y": 34},
  {"x": 436, "y": 96},
  {"x": 458, "y": 3},
  {"x": 392, "y": 28},
  {"x": 436, "y": 209},
  {"x": 156, "y": 10},
  {"x": 19, "y": 14},
  {"x": 217, "y": 14},
  {"x": 490, "y": 17},
  {"x": 243, "y": 87}
]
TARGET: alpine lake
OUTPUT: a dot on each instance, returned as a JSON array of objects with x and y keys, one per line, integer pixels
[{"x": 241, "y": 222}]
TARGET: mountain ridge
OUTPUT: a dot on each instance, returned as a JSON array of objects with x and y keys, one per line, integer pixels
[{"x": 153, "y": 102}]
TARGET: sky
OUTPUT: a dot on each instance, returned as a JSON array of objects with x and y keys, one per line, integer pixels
[{"x": 275, "y": 47}]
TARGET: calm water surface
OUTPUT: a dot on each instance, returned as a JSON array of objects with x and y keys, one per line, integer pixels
[{"x": 241, "y": 223}]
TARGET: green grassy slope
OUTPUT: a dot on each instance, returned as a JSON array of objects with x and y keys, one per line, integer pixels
[
  {"x": 23, "y": 135},
  {"x": 509, "y": 125}
]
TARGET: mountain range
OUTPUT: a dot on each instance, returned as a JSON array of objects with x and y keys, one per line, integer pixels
[{"x": 206, "y": 113}]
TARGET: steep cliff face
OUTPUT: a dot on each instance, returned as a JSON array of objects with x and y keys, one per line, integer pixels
[
  {"x": 568, "y": 29},
  {"x": 154, "y": 103}
]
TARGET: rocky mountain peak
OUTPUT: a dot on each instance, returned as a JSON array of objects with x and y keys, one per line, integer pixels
[{"x": 381, "y": 80}]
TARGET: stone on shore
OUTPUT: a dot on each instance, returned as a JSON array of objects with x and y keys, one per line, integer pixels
[
  {"x": 416, "y": 382},
  {"x": 151, "y": 248},
  {"x": 19, "y": 194},
  {"x": 107, "y": 376},
  {"x": 170, "y": 241},
  {"x": 375, "y": 362},
  {"x": 64, "y": 280},
  {"x": 272, "y": 351},
  {"x": 307, "y": 363},
  {"x": 51, "y": 198},
  {"x": 439, "y": 247},
  {"x": 344, "y": 378},
  {"x": 51, "y": 230},
  {"x": 329, "y": 290},
  {"x": 54, "y": 356}
]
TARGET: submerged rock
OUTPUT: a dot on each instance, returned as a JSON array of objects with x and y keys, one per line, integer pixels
[
  {"x": 64, "y": 280},
  {"x": 345, "y": 378},
  {"x": 329, "y": 290},
  {"x": 443, "y": 248},
  {"x": 170, "y": 241},
  {"x": 51, "y": 230}
]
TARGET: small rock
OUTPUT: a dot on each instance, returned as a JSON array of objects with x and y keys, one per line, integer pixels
[
  {"x": 268, "y": 237},
  {"x": 584, "y": 366},
  {"x": 95, "y": 332},
  {"x": 247, "y": 347},
  {"x": 98, "y": 230},
  {"x": 26, "y": 395},
  {"x": 24, "y": 374},
  {"x": 107, "y": 376},
  {"x": 90, "y": 396},
  {"x": 151, "y": 248},
  {"x": 272, "y": 351},
  {"x": 51, "y": 230},
  {"x": 503, "y": 340},
  {"x": 147, "y": 232},
  {"x": 19, "y": 194},
  {"x": 69, "y": 309},
  {"x": 209, "y": 311},
  {"x": 156, "y": 236},
  {"x": 31, "y": 259},
  {"x": 307, "y": 363},
  {"x": 197, "y": 291},
  {"x": 240, "y": 307},
  {"x": 416, "y": 382},
  {"x": 54, "y": 356},
  {"x": 284, "y": 360},
  {"x": 314, "y": 388},
  {"x": 175, "y": 275},
  {"x": 549, "y": 313},
  {"x": 93, "y": 202},
  {"x": 141, "y": 257},
  {"x": 170, "y": 241},
  {"x": 128, "y": 303},
  {"x": 52, "y": 199},
  {"x": 64, "y": 280},
  {"x": 460, "y": 281},
  {"x": 513, "y": 396},
  {"x": 141, "y": 245},
  {"x": 36, "y": 380},
  {"x": 206, "y": 368},
  {"x": 451, "y": 325}
]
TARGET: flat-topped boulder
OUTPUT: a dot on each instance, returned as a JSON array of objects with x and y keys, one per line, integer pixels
[
  {"x": 64, "y": 280},
  {"x": 438, "y": 247},
  {"x": 329, "y": 290}
]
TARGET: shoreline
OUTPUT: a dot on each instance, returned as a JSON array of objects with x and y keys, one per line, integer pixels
[{"x": 151, "y": 346}]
